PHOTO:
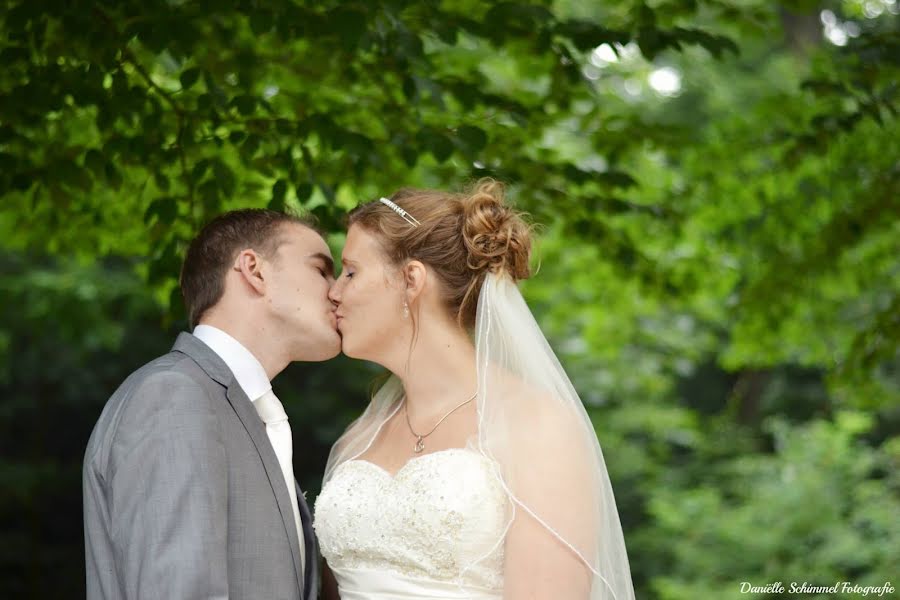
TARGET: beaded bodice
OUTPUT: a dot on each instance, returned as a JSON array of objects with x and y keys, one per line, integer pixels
[{"x": 442, "y": 517}]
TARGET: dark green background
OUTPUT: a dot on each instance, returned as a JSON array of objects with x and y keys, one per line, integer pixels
[{"x": 717, "y": 265}]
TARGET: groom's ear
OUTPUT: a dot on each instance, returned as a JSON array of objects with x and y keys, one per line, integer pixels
[
  {"x": 249, "y": 265},
  {"x": 415, "y": 276}
]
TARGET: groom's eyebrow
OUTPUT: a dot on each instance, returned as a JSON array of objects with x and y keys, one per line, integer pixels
[{"x": 329, "y": 263}]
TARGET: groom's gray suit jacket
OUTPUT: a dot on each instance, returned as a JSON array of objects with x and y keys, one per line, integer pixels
[{"x": 183, "y": 493}]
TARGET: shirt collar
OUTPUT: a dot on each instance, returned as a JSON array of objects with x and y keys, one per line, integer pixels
[{"x": 247, "y": 369}]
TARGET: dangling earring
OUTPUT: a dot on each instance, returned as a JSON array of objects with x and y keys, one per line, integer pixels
[{"x": 405, "y": 310}]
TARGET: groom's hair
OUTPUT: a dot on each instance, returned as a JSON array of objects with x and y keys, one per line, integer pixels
[{"x": 211, "y": 253}]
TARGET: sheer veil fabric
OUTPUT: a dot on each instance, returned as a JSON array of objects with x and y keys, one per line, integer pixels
[{"x": 536, "y": 433}]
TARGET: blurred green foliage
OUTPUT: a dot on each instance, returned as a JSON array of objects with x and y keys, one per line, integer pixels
[{"x": 717, "y": 185}]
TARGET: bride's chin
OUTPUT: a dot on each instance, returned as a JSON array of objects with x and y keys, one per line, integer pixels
[{"x": 354, "y": 352}]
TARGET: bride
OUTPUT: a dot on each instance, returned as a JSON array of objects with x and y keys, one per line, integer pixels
[{"x": 475, "y": 471}]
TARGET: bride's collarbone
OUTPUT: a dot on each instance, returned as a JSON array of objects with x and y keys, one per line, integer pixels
[{"x": 396, "y": 446}]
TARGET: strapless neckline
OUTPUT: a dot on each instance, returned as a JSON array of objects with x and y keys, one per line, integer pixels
[{"x": 411, "y": 462}]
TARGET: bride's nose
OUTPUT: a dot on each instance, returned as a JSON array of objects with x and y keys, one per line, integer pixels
[{"x": 334, "y": 293}]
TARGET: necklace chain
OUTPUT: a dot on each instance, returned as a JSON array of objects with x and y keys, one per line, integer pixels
[{"x": 420, "y": 439}]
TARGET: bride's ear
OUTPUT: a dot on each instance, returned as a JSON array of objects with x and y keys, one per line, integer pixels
[{"x": 415, "y": 276}]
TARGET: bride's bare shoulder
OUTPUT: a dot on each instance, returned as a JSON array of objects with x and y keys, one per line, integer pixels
[{"x": 532, "y": 409}]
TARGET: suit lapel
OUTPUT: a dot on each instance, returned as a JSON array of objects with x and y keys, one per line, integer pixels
[
  {"x": 205, "y": 358},
  {"x": 257, "y": 430},
  {"x": 216, "y": 368},
  {"x": 312, "y": 551}
]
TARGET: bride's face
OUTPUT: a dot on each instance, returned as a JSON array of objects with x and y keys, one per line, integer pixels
[{"x": 369, "y": 295}]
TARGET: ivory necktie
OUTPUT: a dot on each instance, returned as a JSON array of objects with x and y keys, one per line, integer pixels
[{"x": 271, "y": 411}]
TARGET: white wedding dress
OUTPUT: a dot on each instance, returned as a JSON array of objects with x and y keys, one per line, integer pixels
[{"x": 434, "y": 530}]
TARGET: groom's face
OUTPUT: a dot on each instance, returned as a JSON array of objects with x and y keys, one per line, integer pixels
[{"x": 300, "y": 278}]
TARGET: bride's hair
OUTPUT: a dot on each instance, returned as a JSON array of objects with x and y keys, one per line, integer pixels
[{"x": 461, "y": 237}]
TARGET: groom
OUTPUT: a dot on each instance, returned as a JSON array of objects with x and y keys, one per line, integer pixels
[{"x": 188, "y": 486}]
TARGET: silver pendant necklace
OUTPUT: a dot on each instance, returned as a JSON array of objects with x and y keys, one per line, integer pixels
[{"x": 420, "y": 439}]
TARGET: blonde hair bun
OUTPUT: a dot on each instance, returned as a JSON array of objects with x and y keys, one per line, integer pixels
[{"x": 496, "y": 235}]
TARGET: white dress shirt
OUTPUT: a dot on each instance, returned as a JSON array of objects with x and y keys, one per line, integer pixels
[{"x": 252, "y": 378}]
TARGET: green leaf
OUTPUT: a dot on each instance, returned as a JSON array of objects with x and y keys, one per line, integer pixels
[
  {"x": 189, "y": 77},
  {"x": 224, "y": 176},
  {"x": 250, "y": 146},
  {"x": 328, "y": 217},
  {"x": 586, "y": 35},
  {"x": 165, "y": 209},
  {"x": 245, "y": 104},
  {"x": 440, "y": 146},
  {"x": 210, "y": 193},
  {"x": 616, "y": 179},
  {"x": 446, "y": 31},
  {"x": 69, "y": 173},
  {"x": 261, "y": 21},
  {"x": 473, "y": 138},
  {"x": 715, "y": 44},
  {"x": 517, "y": 16},
  {"x": 409, "y": 88},
  {"x": 409, "y": 155},
  {"x": 279, "y": 191},
  {"x": 21, "y": 182},
  {"x": 350, "y": 24},
  {"x": 409, "y": 45},
  {"x": 167, "y": 262},
  {"x": 285, "y": 126},
  {"x": 162, "y": 182},
  {"x": 96, "y": 162},
  {"x": 200, "y": 169},
  {"x": 303, "y": 191},
  {"x": 113, "y": 176},
  {"x": 651, "y": 41},
  {"x": 204, "y": 102}
]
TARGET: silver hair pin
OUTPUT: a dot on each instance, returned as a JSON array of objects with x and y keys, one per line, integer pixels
[{"x": 406, "y": 216}]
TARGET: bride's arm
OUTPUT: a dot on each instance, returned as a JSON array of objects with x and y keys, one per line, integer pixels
[
  {"x": 551, "y": 471},
  {"x": 539, "y": 567},
  {"x": 329, "y": 584}
]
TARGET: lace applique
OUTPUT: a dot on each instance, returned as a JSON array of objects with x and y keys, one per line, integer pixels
[{"x": 439, "y": 514}]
